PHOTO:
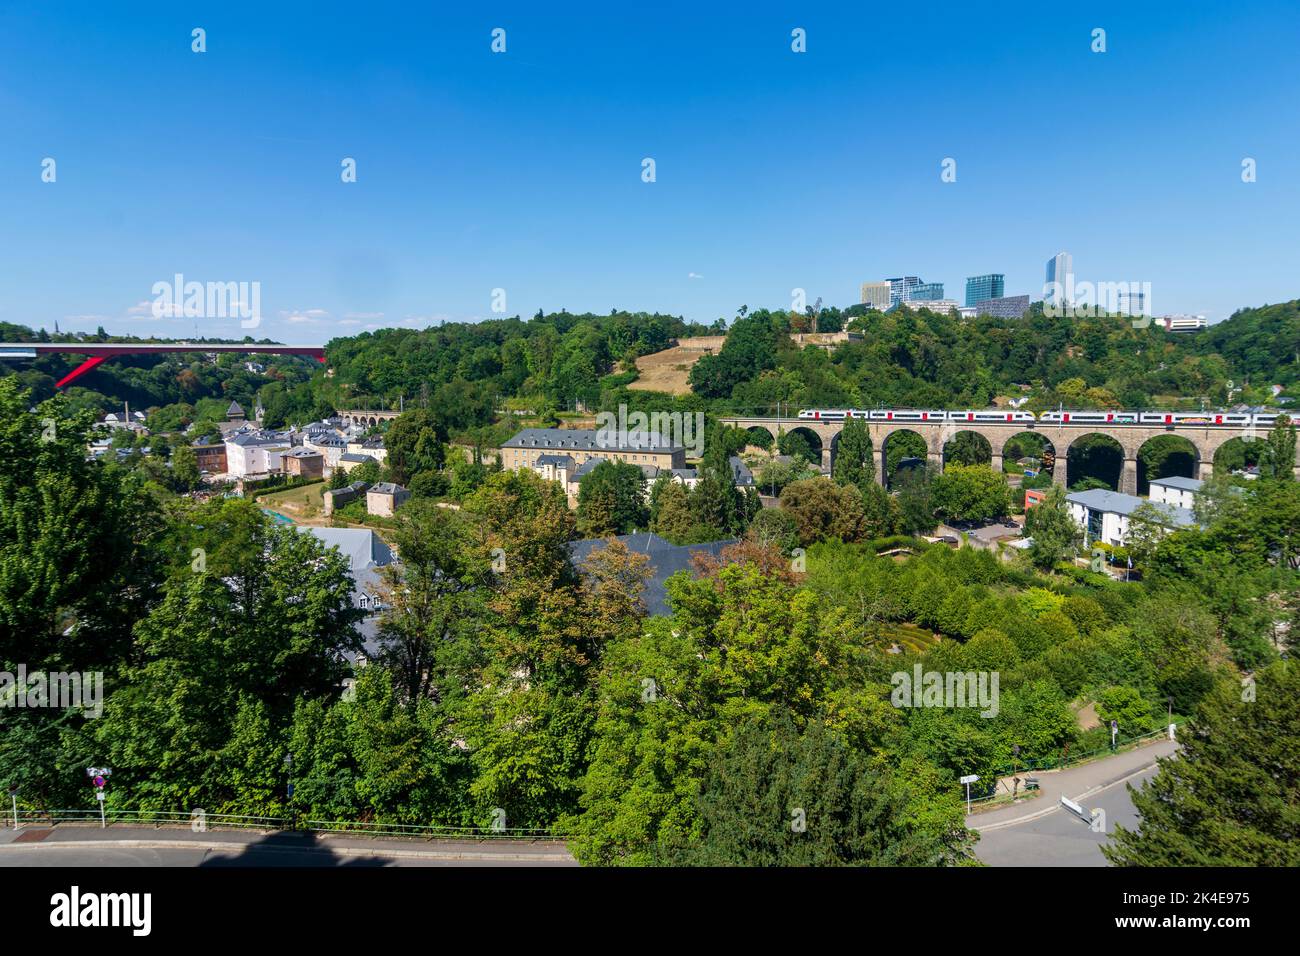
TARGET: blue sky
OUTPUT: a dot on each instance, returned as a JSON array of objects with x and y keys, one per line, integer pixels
[{"x": 522, "y": 170}]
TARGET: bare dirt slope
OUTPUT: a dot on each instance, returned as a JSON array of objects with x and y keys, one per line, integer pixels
[{"x": 667, "y": 371}]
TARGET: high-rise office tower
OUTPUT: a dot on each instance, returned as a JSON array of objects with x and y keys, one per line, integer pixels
[
  {"x": 900, "y": 290},
  {"x": 927, "y": 291},
  {"x": 1060, "y": 278},
  {"x": 876, "y": 295},
  {"x": 982, "y": 288}
]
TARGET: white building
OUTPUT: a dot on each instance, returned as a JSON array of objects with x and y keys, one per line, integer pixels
[
  {"x": 255, "y": 453},
  {"x": 934, "y": 305},
  {"x": 1177, "y": 491},
  {"x": 1104, "y": 515},
  {"x": 1184, "y": 323}
]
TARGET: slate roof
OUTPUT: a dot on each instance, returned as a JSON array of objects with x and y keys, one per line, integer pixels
[
  {"x": 666, "y": 559},
  {"x": 1179, "y": 482},
  {"x": 1100, "y": 499},
  {"x": 362, "y": 547},
  {"x": 588, "y": 439},
  {"x": 740, "y": 473}
]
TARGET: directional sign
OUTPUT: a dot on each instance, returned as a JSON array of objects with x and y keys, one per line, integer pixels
[{"x": 970, "y": 778}]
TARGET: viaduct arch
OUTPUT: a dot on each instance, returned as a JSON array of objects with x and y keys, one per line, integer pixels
[
  {"x": 366, "y": 418},
  {"x": 1206, "y": 439}
]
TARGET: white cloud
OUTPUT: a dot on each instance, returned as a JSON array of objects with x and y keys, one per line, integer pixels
[
  {"x": 694, "y": 275},
  {"x": 301, "y": 316}
]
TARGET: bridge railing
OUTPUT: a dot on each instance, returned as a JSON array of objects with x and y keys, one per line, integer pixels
[{"x": 201, "y": 820}]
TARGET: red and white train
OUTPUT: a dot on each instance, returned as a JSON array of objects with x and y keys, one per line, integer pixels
[{"x": 996, "y": 416}]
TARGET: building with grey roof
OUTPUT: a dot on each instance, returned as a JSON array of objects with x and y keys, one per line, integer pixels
[
  {"x": 1105, "y": 515},
  {"x": 1177, "y": 491},
  {"x": 665, "y": 560},
  {"x": 582, "y": 444}
]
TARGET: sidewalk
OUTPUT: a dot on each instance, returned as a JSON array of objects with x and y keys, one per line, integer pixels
[
  {"x": 145, "y": 836},
  {"x": 1074, "y": 782}
]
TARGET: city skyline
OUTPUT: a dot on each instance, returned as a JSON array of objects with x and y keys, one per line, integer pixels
[{"x": 475, "y": 174}]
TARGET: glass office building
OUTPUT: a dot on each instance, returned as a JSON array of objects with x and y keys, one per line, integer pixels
[
  {"x": 1060, "y": 278},
  {"x": 900, "y": 289},
  {"x": 982, "y": 288},
  {"x": 927, "y": 292}
]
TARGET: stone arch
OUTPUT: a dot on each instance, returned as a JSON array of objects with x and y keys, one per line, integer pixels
[
  {"x": 1183, "y": 459},
  {"x": 973, "y": 449},
  {"x": 755, "y": 431},
  {"x": 900, "y": 445},
  {"x": 793, "y": 437},
  {"x": 1027, "y": 444},
  {"x": 1098, "y": 455},
  {"x": 1236, "y": 452}
]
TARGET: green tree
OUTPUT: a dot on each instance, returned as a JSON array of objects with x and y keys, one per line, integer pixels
[
  {"x": 611, "y": 500},
  {"x": 1054, "y": 534},
  {"x": 1279, "y": 454},
  {"x": 434, "y": 601},
  {"x": 854, "y": 463},
  {"x": 415, "y": 442},
  {"x": 822, "y": 510},
  {"x": 971, "y": 493},
  {"x": 1232, "y": 797},
  {"x": 776, "y": 796},
  {"x": 185, "y": 468}
]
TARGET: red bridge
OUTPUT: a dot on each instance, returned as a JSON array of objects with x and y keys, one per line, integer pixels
[{"x": 99, "y": 351}]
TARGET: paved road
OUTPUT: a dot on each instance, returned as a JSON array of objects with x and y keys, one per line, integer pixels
[
  {"x": 1061, "y": 838},
  {"x": 129, "y": 846},
  {"x": 1041, "y": 832}
]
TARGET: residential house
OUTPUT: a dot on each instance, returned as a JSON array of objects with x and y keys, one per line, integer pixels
[
  {"x": 211, "y": 456},
  {"x": 349, "y": 461},
  {"x": 366, "y": 554},
  {"x": 303, "y": 463},
  {"x": 385, "y": 498},
  {"x": 338, "y": 497},
  {"x": 255, "y": 452}
]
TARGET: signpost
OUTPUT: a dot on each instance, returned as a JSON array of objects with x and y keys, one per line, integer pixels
[
  {"x": 99, "y": 777},
  {"x": 968, "y": 780},
  {"x": 1114, "y": 731},
  {"x": 13, "y": 795}
]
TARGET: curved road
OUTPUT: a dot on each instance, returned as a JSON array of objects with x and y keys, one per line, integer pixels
[{"x": 1041, "y": 832}]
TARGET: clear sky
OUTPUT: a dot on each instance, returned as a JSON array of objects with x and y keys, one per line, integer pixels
[{"x": 523, "y": 170}]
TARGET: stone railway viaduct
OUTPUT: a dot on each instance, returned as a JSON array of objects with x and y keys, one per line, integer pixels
[
  {"x": 1206, "y": 439},
  {"x": 367, "y": 418}
]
